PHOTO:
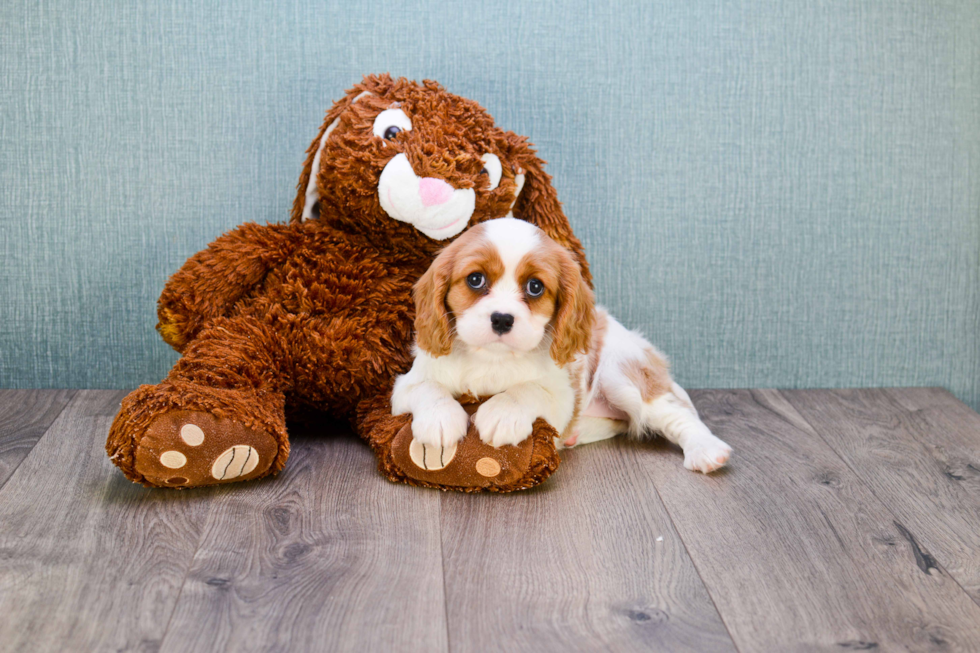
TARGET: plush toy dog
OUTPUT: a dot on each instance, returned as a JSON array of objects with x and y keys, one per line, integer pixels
[{"x": 318, "y": 313}]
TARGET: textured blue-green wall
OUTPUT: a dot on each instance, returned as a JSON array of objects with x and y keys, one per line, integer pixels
[{"x": 778, "y": 193}]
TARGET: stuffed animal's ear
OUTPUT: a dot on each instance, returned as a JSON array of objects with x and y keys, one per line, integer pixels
[
  {"x": 306, "y": 204},
  {"x": 575, "y": 314},
  {"x": 537, "y": 202},
  {"x": 433, "y": 332}
]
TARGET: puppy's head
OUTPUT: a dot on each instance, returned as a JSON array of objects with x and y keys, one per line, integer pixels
[{"x": 504, "y": 285}]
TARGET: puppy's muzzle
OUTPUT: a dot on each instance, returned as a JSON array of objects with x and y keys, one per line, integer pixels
[{"x": 501, "y": 323}]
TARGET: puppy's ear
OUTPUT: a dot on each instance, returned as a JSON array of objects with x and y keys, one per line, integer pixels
[
  {"x": 537, "y": 202},
  {"x": 575, "y": 314},
  {"x": 306, "y": 204},
  {"x": 433, "y": 333}
]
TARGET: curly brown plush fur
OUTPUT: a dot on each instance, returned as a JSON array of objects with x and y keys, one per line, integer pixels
[{"x": 318, "y": 314}]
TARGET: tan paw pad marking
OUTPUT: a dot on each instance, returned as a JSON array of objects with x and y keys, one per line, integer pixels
[
  {"x": 192, "y": 434},
  {"x": 487, "y": 467},
  {"x": 173, "y": 459},
  {"x": 234, "y": 462},
  {"x": 431, "y": 457}
]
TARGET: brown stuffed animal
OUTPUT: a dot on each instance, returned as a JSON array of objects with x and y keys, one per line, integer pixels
[{"x": 318, "y": 313}]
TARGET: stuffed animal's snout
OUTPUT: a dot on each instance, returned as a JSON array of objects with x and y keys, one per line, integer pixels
[{"x": 431, "y": 205}]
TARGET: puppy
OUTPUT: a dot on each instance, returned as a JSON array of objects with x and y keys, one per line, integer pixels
[{"x": 504, "y": 312}]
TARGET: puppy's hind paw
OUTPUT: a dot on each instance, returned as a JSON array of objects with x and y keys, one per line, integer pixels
[{"x": 707, "y": 457}]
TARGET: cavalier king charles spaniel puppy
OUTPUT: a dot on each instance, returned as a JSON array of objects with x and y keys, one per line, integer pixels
[{"x": 504, "y": 312}]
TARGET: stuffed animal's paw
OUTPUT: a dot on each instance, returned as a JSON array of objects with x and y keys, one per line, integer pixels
[
  {"x": 706, "y": 455},
  {"x": 441, "y": 425},
  {"x": 471, "y": 465},
  {"x": 503, "y": 420},
  {"x": 191, "y": 448},
  {"x": 169, "y": 328}
]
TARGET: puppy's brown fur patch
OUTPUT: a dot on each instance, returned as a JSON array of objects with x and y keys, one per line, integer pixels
[
  {"x": 651, "y": 376},
  {"x": 433, "y": 331},
  {"x": 543, "y": 263},
  {"x": 575, "y": 376},
  {"x": 598, "y": 339},
  {"x": 476, "y": 255},
  {"x": 567, "y": 297}
]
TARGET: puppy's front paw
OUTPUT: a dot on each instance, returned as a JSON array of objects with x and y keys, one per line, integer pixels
[
  {"x": 502, "y": 420},
  {"x": 442, "y": 424},
  {"x": 706, "y": 455}
]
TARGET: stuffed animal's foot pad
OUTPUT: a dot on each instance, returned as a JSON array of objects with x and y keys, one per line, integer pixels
[
  {"x": 487, "y": 467},
  {"x": 431, "y": 457},
  {"x": 190, "y": 448}
]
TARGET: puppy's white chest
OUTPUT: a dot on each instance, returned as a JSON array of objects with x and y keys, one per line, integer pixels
[{"x": 483, "y": 375}]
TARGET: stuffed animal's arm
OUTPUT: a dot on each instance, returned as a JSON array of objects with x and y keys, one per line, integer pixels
[{"x": 210, "y": 283}]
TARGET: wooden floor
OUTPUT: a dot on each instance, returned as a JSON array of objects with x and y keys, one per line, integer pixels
[{"x": 848, "y": 520}]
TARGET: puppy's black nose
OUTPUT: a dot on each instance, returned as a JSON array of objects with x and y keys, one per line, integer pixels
[{"x": 501, "y": 323}]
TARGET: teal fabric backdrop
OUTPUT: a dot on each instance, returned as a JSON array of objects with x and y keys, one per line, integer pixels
[{"x": 779, "y": 193}]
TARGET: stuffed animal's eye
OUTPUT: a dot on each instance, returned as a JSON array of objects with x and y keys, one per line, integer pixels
[
  {"x": 534, "y": 288},
  {"x": 390, "y": 123},
  {"x": 491, "y": 166},
  {"x": 476, "y": 280}
]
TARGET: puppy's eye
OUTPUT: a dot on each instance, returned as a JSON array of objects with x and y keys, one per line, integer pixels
[
  {"x": 534, "y": 288},
  {"x": 491, "y": 166},
  {"x": 390, "y": 123},
  {"x": 476, "y": 280}
]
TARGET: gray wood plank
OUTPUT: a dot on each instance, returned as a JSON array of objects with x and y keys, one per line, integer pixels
[
  {"x": 797, "y": 553},
  {"x": 922, "y": 398},
  {"x": 327, "y": 557},
  {"x": 924, "y": 464},
  {"x": 574, "y": 565},
  {"x": 24, "y": 417},
  {"x": 89, "y": 560}
]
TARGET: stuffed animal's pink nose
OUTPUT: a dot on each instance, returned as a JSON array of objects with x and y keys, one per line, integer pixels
[{"x": 434, "y": 191}]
